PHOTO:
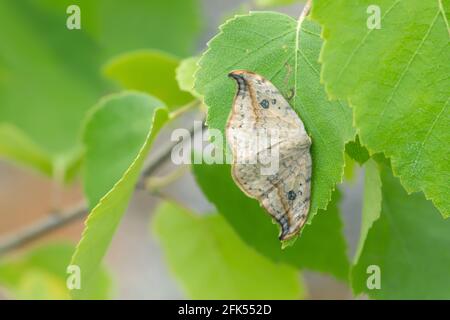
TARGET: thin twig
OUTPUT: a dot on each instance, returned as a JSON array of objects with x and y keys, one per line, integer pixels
[
  {"x": 305, "y": 11},
  {"x": 153, "y": 183},
  {"x": 54, "y": 221},
  {"x": 163, "y": 156},
  {"x": 51, "y": 222}
]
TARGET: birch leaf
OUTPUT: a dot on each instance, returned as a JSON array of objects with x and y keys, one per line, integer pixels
[
  {"x": 286, "y": 52},
  {"x": 396, "y": 79}
]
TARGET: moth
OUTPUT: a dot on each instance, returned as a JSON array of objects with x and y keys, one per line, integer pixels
[{"x": 263, "y": 130}]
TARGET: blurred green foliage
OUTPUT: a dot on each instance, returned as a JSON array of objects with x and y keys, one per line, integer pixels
[
  {"x": 212, "y": 262},
  {"x": 320, "y": 247},
  {"x": 41, "y": 273},
  {"x": 395, "y": 80},
  {"x": 185, "y": 75},
  {"x": 50, "y": 75},
  {"x": 149, "y": 71}
]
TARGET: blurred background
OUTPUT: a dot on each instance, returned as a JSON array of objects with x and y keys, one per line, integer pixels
[{"x": 134, "y": 259}]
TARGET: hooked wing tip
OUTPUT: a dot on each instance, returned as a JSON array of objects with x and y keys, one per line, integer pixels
[
  {"x": 241, "y": 74},
  {"x": 237, "y": 74},
  {"x": 240, "y": 77},
  {"x": 288, "y": 235}
]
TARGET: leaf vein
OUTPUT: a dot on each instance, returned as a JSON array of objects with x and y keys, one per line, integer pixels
[
  {"x": 419, "y": 152},
  {"x": 404, "y": 72},
  {"x": 249, "y": 53},
  {"x": 363, "y": 40}
]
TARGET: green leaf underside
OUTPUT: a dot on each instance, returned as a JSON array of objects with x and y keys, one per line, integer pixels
[
  {"x": 113, "y": 162},
  {"x": 321, "y": 246},
  {"x": 41, "y": 274},
  {"x": 266, "y": 43},
  {"x": 396, "y": 79},
  {"x": 410, "y": 243},
  {"x": 350, "y": 169},
  {"x": 149, "y": 71},
  {"x": 371, "y": 202},
  {"x": 212, "y": 262},
  {"x": 50, "y": 75}
]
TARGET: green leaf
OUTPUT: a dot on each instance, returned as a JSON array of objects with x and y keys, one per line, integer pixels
[
  {"x": 410, "y": 243},
  {"x": 185, "y": 75},
  {"x": 118, "y": 128},
  {"x": 371, "y": 202},
  {"x": 149, "y": 71},
  {"x": 211, "y": 262},
  {"x": 117, "y": 27},
  {"x": 356, "y": 151},
  {"x": 269, "y": 44},
  {"x": 396, "y": 79},
  {"x": 254, "y": 226},
  {"x": 38, "y": 285},
  {"x": 17, "y": 147},
  {"x": 117, "y": 136},
  {"x": 41, "y": 274},
  {"x": 48, "y": 81},
  {"x": 169, "y": 25},
  {"x": 49, "y": 75}
]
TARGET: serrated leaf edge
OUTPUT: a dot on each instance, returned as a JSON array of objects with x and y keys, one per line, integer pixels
[{"x": 92, "y": 216}]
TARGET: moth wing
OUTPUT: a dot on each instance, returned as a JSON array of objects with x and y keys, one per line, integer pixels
[
  {"x": 273, "y": 106},
  {"x": 285, "y": 194},
  {"x": 279, "y": 114},
  {"x": 262, "y": 122}
]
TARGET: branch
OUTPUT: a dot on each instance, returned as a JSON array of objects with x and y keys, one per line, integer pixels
[
  {"x": 57, "y": 220},
  {"x": 51, "y": 222}
]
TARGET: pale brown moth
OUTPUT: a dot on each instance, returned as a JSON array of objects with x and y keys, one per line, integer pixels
[{"x": 259, "y": 109}]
